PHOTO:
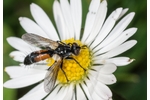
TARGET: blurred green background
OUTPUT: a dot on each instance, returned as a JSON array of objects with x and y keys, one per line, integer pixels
[{"x": 131, "y": 80}]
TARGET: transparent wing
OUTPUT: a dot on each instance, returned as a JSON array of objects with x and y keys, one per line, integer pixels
[
  {"x": 51, "y": 76},
  {"x": 39, "y": 41}
]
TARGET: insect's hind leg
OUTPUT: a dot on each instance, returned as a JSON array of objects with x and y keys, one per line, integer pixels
[
  {"x": 76, "y": 62},
  {"x": 63, "y": 71}
]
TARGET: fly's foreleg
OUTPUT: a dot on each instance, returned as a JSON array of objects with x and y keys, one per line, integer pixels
[
  {"x": 71, "y": 58},
  {"x": 63, "y": 71}
]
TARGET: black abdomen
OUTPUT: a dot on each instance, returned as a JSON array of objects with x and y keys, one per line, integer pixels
[{"x": 29, "y": 59}]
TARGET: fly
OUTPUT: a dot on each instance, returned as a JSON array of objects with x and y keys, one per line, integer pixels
[{"x": 51, "y": 49}]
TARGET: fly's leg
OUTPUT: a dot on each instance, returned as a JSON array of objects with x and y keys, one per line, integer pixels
[
  {"x": 84, "y": 47},
  {"x": 61, "y": 43},
  {"x": 63, "y": 71},
  {"x": 76, "y": 62}
]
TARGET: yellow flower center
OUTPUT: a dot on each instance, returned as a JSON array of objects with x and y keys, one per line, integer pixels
[{"x": 74, "y": 72}]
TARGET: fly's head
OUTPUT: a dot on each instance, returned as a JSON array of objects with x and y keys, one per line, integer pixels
[{"x": 75, "y": 49}]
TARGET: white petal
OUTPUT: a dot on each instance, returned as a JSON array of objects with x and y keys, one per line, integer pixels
[
  {"x": 62, "y": 93},
  {"x": 99, "y": 19},
  {"x": 76, "y": 10},
  {"x": 107, "y": 79},
  {"x": 103, "y": 91},
  {"x": 118, "y": 29},
  {"x": 70, "y": 92},
  {"x": 95, "y": 96},
  {"x": 121, "y": 25},
  {"x": 66, "y": 10},
  {"x": 107, "y": 27},
  {"x": 93, "y": 73},
  {"x": 93, "y": 8},
  {"x": 120, "y": 61},
  {"x": 41, "y": 66},
  {"x": 86, "y": 90},
  {"x": 118, "y": 50},
  {"x": 31, "y": 27},
  {"x": 119, "y": 40},
  {"x": 90, "y": 86},
  {"x": 17, "y": 71},
  {"x": 20, "y": 45},
  {"x": 96, "y": 67},
  {"x": 79, "y": 93},
  {"x": 36, "y": 93},
  {"x": 59, "y": 92},
  {"x": 24, "y": 80},
  {"x": 108, "y": 68},
  {"x": 53, "y": 93},
  {"x": 43, "y": 21},
  {"x": 59, "y": 19},
  {"x": 17, "y": 56},
  {"x": 123, "y": 12},
  {"x": 36, "y": 88}
]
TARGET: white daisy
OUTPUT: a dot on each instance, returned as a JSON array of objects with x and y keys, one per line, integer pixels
[{"x": 105, "y": 39}]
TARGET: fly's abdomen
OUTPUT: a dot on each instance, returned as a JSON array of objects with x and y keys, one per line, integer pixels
[
  {"x": 41, "y": 57},
  {"x": 28, "y": 60},
  {"x": 36, "y": 57}
]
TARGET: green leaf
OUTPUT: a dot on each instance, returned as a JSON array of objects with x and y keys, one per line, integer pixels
[{"x": 117, "y": 96}]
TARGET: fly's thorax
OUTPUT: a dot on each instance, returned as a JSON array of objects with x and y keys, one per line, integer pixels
[{"x": 63, "y": 50}]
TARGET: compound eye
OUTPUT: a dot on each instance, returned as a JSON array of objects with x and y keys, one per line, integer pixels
[{"x": 76, "y": 51}]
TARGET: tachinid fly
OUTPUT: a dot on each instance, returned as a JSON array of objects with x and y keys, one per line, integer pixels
[{"x": 54, "y": 49}]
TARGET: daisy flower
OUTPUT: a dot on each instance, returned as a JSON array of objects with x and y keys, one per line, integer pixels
[{"x": 103, "y": 39}]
